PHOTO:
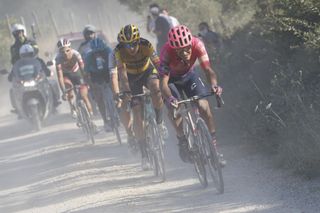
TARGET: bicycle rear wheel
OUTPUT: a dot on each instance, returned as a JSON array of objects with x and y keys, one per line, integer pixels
[
  {"x": 211, "y": 155},
  {"x": 87, "y": 123},
  {"x": 196, "y": 157}
]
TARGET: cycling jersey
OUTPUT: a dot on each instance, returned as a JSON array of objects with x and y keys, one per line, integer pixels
[
  {"x": 171, "y": 63},
  {"x": 138, "y": 63},
  {"x": 69, "y": 66}
]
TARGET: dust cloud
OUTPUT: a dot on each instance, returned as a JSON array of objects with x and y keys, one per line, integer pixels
[{"x": 68, "y": 16}]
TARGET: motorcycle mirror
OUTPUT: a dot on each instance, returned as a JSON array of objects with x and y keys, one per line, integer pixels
[
  {"x": 4, "y": 72},
  {"x": 49, "y": 63}
]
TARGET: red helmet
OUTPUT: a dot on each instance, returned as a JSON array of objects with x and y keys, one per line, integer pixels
[{"x": 179, "y": 37}]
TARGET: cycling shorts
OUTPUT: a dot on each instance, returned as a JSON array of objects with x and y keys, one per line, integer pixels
[
  {"x": 190, "y": 84},
  {"x": 74, "y": 78},
  {"x": 137, "y": 81}
]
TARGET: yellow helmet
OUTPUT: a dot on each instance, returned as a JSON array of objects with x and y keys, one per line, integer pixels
[{"x": 128, "y": 34}]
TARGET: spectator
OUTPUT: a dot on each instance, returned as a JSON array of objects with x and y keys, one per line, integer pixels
[
  {"x": 173, "y": 20},
  {"x": 158, "y": 24},
  {"x": 211, "y": 40}
]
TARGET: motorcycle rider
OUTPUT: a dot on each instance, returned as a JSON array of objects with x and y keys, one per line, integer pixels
[
  {"x": 19, "y": 33},
  {"x": 27, "y": 51},
  {"x": 22, "y": 68}
]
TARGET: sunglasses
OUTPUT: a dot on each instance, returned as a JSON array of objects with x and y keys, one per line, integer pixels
[
  {"x": 183, "y": 50},
  {"x": 131, "y": 45},
  {"x": 65, "y": 50}
]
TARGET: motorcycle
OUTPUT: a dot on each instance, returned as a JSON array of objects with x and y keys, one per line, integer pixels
[{"x": 32, "y": 92}]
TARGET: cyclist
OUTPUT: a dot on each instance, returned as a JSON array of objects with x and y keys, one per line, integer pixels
[
  {"x": 69, "y": 65},
  {"x": 97, "y": 69},
  {"x": 177, "y": 60},
  {"x": 136, "y": 63}
]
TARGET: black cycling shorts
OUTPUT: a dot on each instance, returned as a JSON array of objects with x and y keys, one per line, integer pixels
[
  {"x": 190, "y": 84},
  {"x": 75, "y": 78},
  {"x": 137, "y": 81}
]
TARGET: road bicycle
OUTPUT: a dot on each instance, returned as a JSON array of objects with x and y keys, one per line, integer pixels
[
  {"x": 83, "y": 116},
  {"x": 202, "y": 150}
]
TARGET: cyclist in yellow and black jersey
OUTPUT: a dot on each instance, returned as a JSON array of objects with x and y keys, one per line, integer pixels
[{"x": 137, "y": 64}]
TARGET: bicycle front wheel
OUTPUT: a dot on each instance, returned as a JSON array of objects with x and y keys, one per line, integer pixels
[
  {"x": 211, "y": 155},
  {"x": 87, "y": 123},
  {"x": 155, "y": 145},
  {"x": 195, "y": 153}
]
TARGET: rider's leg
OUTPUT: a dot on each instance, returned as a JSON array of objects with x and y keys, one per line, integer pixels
[
  {"x": 125, "y": 118},
  {"x": 205, "y": 112},
  {"x": 157, "y": 101},
  {"x": 70, "y": 96},
  {"x": 84, "y": 95},
  {"x": 138, "y": 126}
]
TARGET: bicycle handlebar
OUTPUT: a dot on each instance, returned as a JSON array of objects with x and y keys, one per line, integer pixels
[{"x": 219, "y": 99}]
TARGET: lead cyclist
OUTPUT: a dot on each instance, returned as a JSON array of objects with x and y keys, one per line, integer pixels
[{"x": 177, "y": 60}]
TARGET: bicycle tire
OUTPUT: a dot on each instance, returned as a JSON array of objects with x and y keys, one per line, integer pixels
[
  {"x": 211, "y": 155},
  {"x": 195, "y": 154},
  {"x": 157, "y": 149},
  {"x": 150, "y": 156},
  {"x": 88, "y": 125},
  {"x": 36, "y": 120},
  {"x": 114, "y": 118}
]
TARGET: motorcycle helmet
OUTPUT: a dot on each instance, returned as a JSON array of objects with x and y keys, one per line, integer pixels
[{"x": 26, "y": 50}]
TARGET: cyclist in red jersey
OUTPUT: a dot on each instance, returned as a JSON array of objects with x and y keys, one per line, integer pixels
[
  {"x": 177, "y": 60},
  {"x": 69, "y": 66}
]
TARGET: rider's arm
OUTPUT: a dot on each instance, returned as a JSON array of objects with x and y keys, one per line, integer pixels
[
  {"x": 122, "y": 74},
  {"x": 44, "y": 67},
  {"x": 205, "y": 64},
  {"x": 154, "y": 57},
  {"x": 113, "y": 73},
  {"x": 60, "y": 78},
  {"x": 165, "y": 74},
  {"x": 166, "y": 92}
]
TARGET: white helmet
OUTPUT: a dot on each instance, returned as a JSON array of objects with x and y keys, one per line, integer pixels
[
  {"x": 26, "y": 50},
  {"x": 18, "y": 27}
]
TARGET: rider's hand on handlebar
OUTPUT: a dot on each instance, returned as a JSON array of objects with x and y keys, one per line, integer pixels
[
  {"x": 64, "y": 96},
  {"x": 127, "y": 96},
  {"x": 117, "y": 100},
  {"x": 173, "y": 101},
  {"x": 216, "y": 89}
]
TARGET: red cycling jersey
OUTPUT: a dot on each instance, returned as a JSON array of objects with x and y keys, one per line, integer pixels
[{"x": 171, "y": 64}]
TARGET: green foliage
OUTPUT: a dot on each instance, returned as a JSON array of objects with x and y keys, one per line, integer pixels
[
  {"x": 269, "y": 69},
  {"x": 5, "y": 43},
  {"x": 219, "y": 14}
]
